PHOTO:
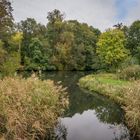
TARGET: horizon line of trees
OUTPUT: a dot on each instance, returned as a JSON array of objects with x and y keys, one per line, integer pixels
[{"x": 64, "y": 44}]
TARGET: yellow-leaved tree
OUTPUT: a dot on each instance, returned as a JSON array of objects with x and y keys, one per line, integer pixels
[
  {"x": 111, "y": 47},
  {"x": 17, "y": 39}
]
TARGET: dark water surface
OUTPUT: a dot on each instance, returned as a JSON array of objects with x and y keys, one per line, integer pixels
[{"x": 90, "y": 116}]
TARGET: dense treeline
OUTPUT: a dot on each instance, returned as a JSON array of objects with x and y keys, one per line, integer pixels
[{"x": 63, "y": 45}]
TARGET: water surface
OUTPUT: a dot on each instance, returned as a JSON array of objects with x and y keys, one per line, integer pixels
[{"x": 89, "y": 116}]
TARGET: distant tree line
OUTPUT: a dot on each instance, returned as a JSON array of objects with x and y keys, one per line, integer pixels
[{"x": 63, "y": 44}]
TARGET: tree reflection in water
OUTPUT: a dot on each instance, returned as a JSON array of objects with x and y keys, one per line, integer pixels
[{"x": 87, "y": 126}]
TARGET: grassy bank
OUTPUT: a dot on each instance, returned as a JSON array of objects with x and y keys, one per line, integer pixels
[
  {"x": 29, "y": 108},
  {"x": 127, "y": 93}
]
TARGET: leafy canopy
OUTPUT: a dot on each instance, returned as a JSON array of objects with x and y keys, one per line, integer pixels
[{"x": 111, "y": 47}]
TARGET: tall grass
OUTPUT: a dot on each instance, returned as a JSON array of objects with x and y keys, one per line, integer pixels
[
  {"x": 29, "y": 108},
  {"x": 105, "y": 84},
  {"x": 132, "y": 107}
]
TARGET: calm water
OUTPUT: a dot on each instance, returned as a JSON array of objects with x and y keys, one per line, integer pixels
[{"x": 89, "y": 117}]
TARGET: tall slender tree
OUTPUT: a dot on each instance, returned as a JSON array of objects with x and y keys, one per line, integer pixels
[{"x": 6, "y": 18}]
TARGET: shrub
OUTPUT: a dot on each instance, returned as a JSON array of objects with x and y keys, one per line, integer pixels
[
  {"x": 29, "y": 108},
  {"x": 10, "y": 65},
  {"x": 130, "y": 61},
  {"x": 130, "y": 73}
]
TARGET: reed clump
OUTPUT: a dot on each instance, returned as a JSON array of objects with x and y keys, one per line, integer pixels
[
  {"x": 132, "y": 107},
  {"x": 29, "y": 108}
]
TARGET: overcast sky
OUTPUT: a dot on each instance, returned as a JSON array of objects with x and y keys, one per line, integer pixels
[{"x": 101, "y": 14}]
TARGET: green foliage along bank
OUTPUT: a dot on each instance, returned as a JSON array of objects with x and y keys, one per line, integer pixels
[
  {"x": 126, "y": 93},
  {"x": 106, "y": 84},
  {"x": 63, "y": 44},
  {"x": 29, "y": 108}
]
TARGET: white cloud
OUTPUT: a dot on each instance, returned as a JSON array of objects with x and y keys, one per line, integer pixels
[
  {"x": 99, "y": 13},
  {"x": 133, "y": 14}
]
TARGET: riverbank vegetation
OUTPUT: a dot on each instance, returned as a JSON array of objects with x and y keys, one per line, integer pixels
[
  {"x": 29, "y": 108},
  {"x": 106, "y": 84},
  {"x": 63, "y": 45},
  {"x": 124, "y": 92}
]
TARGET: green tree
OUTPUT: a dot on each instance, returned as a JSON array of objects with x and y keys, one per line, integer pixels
[
  {"x": 36, "y": 59},
  {"x": 55, "y": 27},
  {"x": 54, "y": 16},
  {"x": 133, "y": 37},
  {"x": 63, "y": 51},
  {"x": 84, "y": 46},
  {"x": 6, "y": 18},
  {"x": 111, "y": 47},
  {"x": 77, "y": 61},
  {"x": 30, "y": 29}
]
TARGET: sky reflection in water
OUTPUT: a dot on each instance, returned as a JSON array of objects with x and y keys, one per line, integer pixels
[{"x": 87, "y": 126}]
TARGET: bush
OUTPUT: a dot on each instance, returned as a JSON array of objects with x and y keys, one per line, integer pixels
[
  {"x": 10, "y": 65},
  {"x": 130, "y": 73},
  {"x": 29, "y": 108},
  {"x": 130, "y": 61}
]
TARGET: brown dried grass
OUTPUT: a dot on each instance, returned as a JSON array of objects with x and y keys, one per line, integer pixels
[
  {"x": 132, "y": 107},
  {"x": 29, "y": 108}
]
